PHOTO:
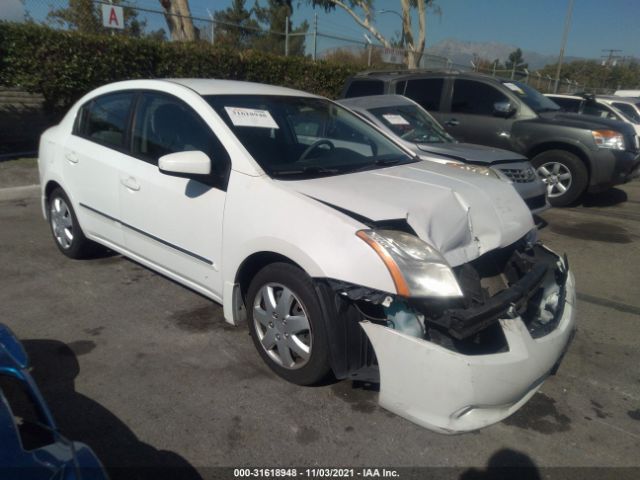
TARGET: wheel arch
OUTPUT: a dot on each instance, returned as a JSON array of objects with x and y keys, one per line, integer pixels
[
  {"x": 256, "y": 262},
  {"x": 558, "y": 145}
]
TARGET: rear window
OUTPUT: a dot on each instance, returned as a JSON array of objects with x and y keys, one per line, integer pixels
[
  {"x": 426, "y": 92},
  {"x": 364, "y": 88}
]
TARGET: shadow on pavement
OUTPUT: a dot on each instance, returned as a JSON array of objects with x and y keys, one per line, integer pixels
[
  {"x": 505, "y": 464},
  {"x": 80, "y": 418},
  {"x": 609, "y": 198}
]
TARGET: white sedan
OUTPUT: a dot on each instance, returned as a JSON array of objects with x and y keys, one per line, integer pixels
[{"x": 341, "y": 250}]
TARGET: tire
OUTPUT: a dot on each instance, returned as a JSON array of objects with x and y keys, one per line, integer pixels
[
  {"x": 565, "y": 175},
  {"x": 66, "y": 231},
  {"x": 296, "y": 350}
]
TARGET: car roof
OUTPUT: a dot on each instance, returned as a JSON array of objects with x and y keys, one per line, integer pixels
[
  {"x": 210, "y": 86},
  {"x": 387, "y": 75},
  {"x": 615, "y": 98},
  {"x": 375, "y": 101}
]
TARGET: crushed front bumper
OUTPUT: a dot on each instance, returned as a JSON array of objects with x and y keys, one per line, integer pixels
[{"x": 451, "y": 392}]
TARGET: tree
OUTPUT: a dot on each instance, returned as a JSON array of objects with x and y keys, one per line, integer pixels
[
  {"x": 178, "y": 17},
  {"x": 365, "y": 20},
  {"x": 86, "y": 16},
  {"x": 274, "y": 17},
  {"x": 515, "y": 61},
  {"x": 235, "y": 27}
]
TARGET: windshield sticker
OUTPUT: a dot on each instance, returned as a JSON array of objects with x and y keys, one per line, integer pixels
[
  {"x": 251, "y": 117},
  {"x": 515, "y": 88},
  {"x": 395, "y": 119}
]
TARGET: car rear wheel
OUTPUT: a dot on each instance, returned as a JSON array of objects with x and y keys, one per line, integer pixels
[
  {"x": 65, "y": 228},
  {"x": 286, "y": 324},
  {"x": 564, "y": 174}
]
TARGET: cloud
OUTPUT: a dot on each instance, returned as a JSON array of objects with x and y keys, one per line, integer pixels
[{"x": 12, "y": 10}]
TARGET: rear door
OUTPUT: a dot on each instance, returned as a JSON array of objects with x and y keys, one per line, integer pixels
[
  {"x": 471, "y": 117},
  {"x": 172, "y": 222},
  {"x": 93, "y": 156}
]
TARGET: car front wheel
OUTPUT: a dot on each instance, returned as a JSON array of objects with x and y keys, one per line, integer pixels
[
  {"x": 286, "y": 324},
  {"x": 564, "y": 174}
]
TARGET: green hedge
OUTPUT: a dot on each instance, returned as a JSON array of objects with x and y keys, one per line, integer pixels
[{"x": 64, "y": 65}]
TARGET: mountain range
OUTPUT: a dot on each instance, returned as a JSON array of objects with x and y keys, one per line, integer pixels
[{"x": 461, "y": 53}]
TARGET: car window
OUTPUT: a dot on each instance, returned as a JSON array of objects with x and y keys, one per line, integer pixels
[
  {"x": 412, "y": 123},
  {"x": 164, "y": 124},
  {"x": 571, "y": 105},
  {"x": 426, "y": 92},
  {"x": 529, "y": 95},
  {"x": 628, "y": 110},
  {"x": 363, "y": 88},
  {"x": 295, "y": 136},
  {"x": 475, "y": 98},
  {"x": 599, "y": 110},
  {"x": 106, "y": 119}
]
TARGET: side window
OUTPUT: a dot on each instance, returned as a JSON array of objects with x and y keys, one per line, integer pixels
[
  {"x": 628, "y": 110},
  {"x": 571, "y": 105},
  {"x": 475, "y": 98},
  {"x": 599, "y": 110},
  {"x": 106, "y": 118},
  {"x": 427, "y": 92},
  {"x": 363, "y": 88},
  {"x": 163, "y": 124}
]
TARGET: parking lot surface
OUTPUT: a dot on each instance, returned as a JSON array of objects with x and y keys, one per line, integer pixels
[{"x": 148, "y": 374}]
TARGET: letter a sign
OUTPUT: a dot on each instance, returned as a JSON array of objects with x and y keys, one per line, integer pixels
[{"x": 112, "y": 16}]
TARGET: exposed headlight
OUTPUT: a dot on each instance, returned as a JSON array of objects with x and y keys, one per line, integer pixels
[
  {"x": 417, "y": 269},
  {"x": 479, "y": 169},
  {"x": 608, "y": 139}
]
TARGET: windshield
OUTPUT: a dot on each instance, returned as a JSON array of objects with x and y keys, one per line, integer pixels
[
  {"x": 628, "y": 111},
  {"x": 301, "y": 136},
  {"x": 533, "y": 98},
  {"x": 411, "y": 123}
]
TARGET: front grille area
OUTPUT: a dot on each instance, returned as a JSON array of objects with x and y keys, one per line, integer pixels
[{"x": 519, "y": 175}]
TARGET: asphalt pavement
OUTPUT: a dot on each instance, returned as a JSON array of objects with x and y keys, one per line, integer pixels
[{"x": 147, "y": 373}]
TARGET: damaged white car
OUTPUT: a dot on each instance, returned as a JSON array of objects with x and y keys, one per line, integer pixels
[{"x": 341, "y": 250}]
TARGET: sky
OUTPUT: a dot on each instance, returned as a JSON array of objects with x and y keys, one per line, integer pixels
[{"x": 534, "y": 25}]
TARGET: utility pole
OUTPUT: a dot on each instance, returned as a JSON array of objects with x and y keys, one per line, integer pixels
[
  {"x": 315, "y": 36},
  {"x": 567, "y": 24},
  {"x": 286, "y": 37},
  {"x": 213, "y": 26},
  {"x": 612, "y": 58}
]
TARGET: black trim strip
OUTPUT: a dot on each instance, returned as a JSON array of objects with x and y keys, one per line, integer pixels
[{"x": 146, "y": 234}]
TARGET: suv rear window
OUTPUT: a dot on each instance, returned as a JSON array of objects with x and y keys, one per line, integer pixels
[
  {"x": 426, "y": 92},
  {"x": 364, "y": 88}
]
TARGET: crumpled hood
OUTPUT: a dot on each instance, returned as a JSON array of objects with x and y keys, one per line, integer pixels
[
  {"x": 469, "y": 152},
  {"x": 461, "y": 214}
]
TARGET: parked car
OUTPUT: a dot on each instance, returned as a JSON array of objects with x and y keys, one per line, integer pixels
[
  {"x": 32, "y": 447},
  {"x": 572, "y": 153},
  {"x": 341, "y": 249},
  {"x": 587, "y": 104},
  {"x": 418, "y": 130},
  {"x": 627, "y": 93}
]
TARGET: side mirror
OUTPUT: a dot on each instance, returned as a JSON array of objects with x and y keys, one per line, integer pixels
[
  {"x": 10, "y": 345},
  {"x": 185, "y": 164},
  {"x": 503, "y": 109}
]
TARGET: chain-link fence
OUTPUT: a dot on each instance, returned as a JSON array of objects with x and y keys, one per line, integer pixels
[{"x": 317, "y": 39}]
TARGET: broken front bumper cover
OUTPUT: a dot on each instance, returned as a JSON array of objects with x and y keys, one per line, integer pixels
[{"x": 451, "y": 392}]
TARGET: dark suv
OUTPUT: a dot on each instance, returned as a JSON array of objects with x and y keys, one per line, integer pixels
[{"x": 572, "y": 153}]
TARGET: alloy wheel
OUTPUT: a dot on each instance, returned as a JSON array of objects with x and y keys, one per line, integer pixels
[
  {"x": 557, "y": 178},
  {"x": 61, "y": 222},
  {"x": 282, "y": 325}
]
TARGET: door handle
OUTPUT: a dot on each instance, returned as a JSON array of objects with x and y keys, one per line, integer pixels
[
  {"x": 71, "y": 157},
  {"x": 130, "y": 183},
  {"x": 452, "y": 123}
]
